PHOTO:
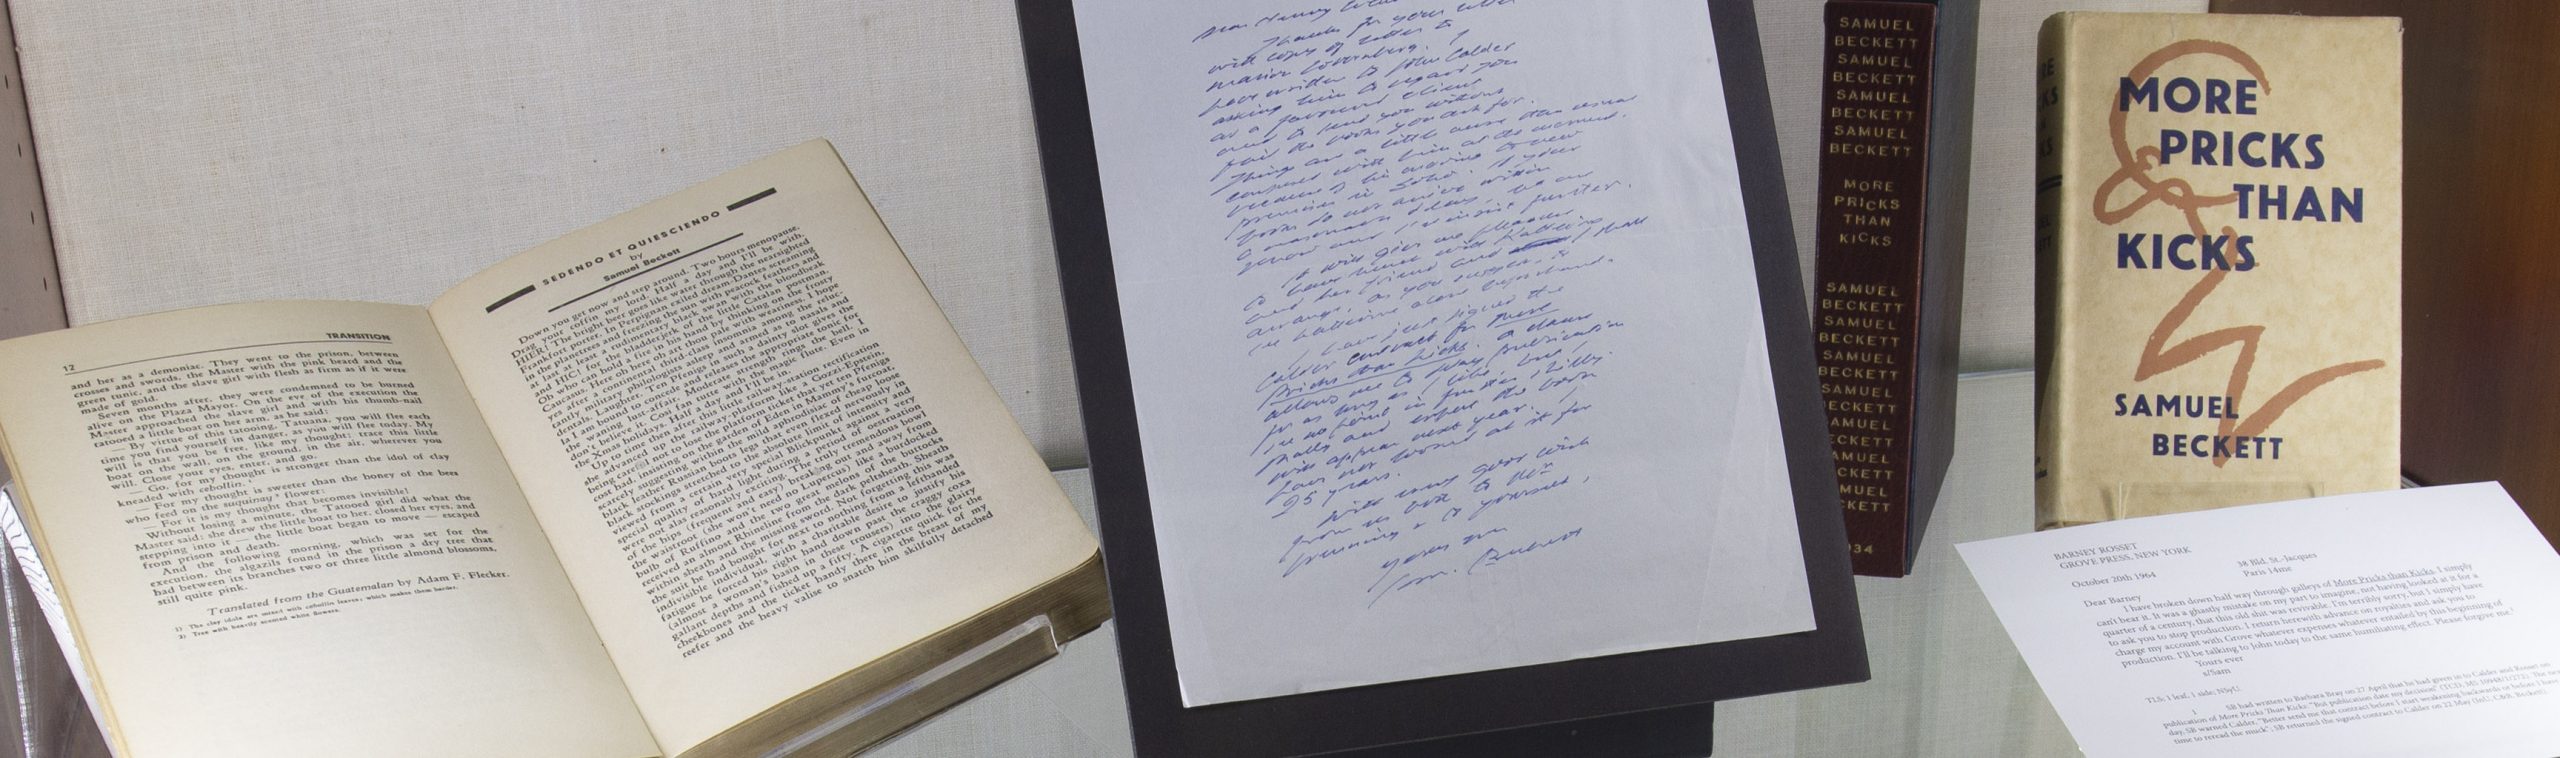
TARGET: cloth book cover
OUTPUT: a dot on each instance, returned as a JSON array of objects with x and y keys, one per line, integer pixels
[{"x": 1889, "y": 235}]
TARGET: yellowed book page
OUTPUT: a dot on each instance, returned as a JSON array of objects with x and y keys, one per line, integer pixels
[
  {"x": 760, "y": 450},
  {"x": 281, "y": 529}
]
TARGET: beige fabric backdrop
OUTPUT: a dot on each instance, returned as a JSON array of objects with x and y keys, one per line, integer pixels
[
  {"x": 202, "y": 153},
  {"x": 199, "y": 153}
]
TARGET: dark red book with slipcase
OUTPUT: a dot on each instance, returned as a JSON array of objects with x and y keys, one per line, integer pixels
[{"x": 1897, "y": 103}]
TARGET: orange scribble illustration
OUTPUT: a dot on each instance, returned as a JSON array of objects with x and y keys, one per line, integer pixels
[{"x": 2158, "y": 356}]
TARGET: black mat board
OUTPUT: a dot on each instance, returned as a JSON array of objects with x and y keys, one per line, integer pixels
[{"x": 1653, "y": 703}]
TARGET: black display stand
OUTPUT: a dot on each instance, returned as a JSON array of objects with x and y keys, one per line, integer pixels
[{"x": 1654, "y": 703}]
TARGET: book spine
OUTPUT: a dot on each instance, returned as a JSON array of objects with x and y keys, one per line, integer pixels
[
  {"x": 2049, "y": 215},
  {"x": 1868, "y": 234}
]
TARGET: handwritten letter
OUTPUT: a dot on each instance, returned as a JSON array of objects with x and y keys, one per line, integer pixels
[{"x": 1443, "y": 332}]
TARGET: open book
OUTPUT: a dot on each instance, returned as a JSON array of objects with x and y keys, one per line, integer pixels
[{"x": 714, "y": 477}]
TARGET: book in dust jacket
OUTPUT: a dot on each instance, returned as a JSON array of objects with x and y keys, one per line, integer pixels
[{"x": 2218, "y": 262}]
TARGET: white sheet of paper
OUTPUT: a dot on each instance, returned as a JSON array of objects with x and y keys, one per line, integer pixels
[
  {"x": 2398, "y": 623},
  {"x": 1444, "y": 335}
]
